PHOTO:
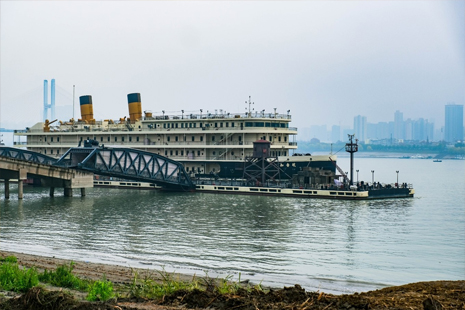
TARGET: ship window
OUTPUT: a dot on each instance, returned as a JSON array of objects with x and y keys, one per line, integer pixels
[
  {"x": 176, "y": 153},
  {"x": 58, "y": 139},
  {"x": 108, "y": 139},
  {"x": 184, "y": 138},
  {"x": 171, "y": 153},
  {"x": 214, "y": 153},
  {"x": 122, "y": 139},
  {"x": 130, "y": 139},
  {"x": 190, "y": 125},
  {"x": 193, "y": 138},
  {"x": 271, "y": 138},
  {"x": 116, "y": 139},
  {"x": 195, "y": 125},
  {"x": 45, "y": 151},
  {"x": 168, "y": 138},
  {"x": 187, "y": 169},
  {"x": 232, "y": 124},
  {"x": 285, "y": 139},
  {"x": 101, "y": 139},
  {"x": 213, "y": 138},
  {"x": 176, "y": 138},
  {"x": 198, "y": 153},
  {"x": 137, "y": 139},
  {"x": 240, "y": 138},
  {"x": 201, "y": 138},
  {"x": 176, "y": 125},
  {"x": 248, "y": 124},
  {"x": 51, "y": 152},
  {"x": 58, "y": 151},
  {"x": 182, "y": 125},
  {"x": 164, "y": 125},
  {"x": 259, "y": 124},
  {"x": 45, "y": 139},
  {"x": 216, "y": 124},
  {"x": 201, "y": 125},
  {"x": 221, "y": 124},
  {"x": 279, "y": 138},
  {"x": 182, "y": 153},
  {"x": 166, "y": 153},
  {"x": 274, "y": 124},
  {"x": 51, "y": 139},
  {"x": 227, "y": 124},
  {"x": 267, "y": 125},
  {"x": 232, "y": 152}
]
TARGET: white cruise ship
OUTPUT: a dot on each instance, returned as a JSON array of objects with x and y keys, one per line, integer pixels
[{"x": 207, "y": 143}]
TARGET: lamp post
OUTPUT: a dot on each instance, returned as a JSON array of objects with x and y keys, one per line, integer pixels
[
  {"x": 397, "y": 171},
  {"x": 372, "y": 176},
  {"x": 357, "y": 175}
]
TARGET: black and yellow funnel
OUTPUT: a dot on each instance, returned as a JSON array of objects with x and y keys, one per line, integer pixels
[
  {"x": 135, "y": 107},
  {"x": 87, "y": 112}
]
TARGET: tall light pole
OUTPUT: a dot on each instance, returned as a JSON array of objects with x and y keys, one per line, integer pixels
[
  {"x": 372, "y": 176},
  {"x": 397, "y": 171},
  {"x": 357, "y": 175}
]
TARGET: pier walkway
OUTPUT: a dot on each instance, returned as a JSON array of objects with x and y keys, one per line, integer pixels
[{"x": 76, "y": 168}]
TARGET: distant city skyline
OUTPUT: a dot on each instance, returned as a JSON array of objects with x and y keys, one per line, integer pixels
[{"x": 397, "y": 129}]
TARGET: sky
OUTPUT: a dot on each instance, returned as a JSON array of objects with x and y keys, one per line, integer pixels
[{"x": 325, "y": 61}]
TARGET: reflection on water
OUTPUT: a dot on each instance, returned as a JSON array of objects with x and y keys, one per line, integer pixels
[{"x": 322, "y": 244}]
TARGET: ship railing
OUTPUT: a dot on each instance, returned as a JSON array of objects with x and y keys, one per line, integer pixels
[{"x": 224, "y": 115}]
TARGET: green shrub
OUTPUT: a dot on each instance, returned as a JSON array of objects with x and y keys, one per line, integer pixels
[
  {"x": 100, "y": 290},
  {"x": 10, "y": 259},
  {"x": 12, "y": 278},
  {"x": 150, "y": 288},
  {"x": 63, "y": 276}
]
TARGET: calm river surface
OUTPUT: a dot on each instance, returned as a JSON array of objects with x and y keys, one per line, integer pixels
[{"x": 334, "y": 246}]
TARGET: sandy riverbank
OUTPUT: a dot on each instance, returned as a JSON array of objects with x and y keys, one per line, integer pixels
[{"x": 423, "y": 295}]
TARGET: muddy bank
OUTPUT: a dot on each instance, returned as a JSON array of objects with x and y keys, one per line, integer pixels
[{"x": 423, "y": 295}]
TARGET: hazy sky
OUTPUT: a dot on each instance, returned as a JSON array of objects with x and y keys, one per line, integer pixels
[{"x": 326, "y": 61}]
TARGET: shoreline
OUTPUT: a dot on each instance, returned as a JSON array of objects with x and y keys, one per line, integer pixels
[{"x": 422, "y": 295}]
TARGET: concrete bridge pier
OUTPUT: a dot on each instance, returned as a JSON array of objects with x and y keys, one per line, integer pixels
[
  {"x": 7, "y": 189},
  {"x": 52, "y": 191},
  {"x": 68, "y": 192}
]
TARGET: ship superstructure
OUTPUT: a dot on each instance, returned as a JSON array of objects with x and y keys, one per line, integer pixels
[{"x": 212, "y": 143}]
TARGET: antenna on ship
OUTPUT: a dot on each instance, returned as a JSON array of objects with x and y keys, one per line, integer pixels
[
  {"x": 250, "y": 104},
  {"x": 74, "y": 86}
]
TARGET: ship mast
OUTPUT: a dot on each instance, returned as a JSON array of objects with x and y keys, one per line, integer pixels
[{"x": 352, "y": 148}]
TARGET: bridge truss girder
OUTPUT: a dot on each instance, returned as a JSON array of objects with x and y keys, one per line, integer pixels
[
  {"x": 135, "y": 165},
  {"x": 23, "y": 154}
]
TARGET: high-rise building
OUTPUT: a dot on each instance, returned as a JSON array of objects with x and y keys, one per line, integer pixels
[
  {"x": 335, "y": 133},
  {"x": 453, "y": 123},
  {"x": 360, "y": 128},
  {"x": 399, "y": 125}
]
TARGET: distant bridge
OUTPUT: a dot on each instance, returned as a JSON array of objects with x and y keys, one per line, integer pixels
[{"x": 79, "y": 164}]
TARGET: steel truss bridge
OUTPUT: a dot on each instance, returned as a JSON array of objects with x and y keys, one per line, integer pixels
[{"x": 122, "y": 163}]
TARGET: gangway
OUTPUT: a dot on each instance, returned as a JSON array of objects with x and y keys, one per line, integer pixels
[{"x": 129, "y": 164}]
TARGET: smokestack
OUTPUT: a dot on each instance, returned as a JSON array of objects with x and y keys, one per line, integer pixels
[
  {"x": 135, "y": 107},
  {"x": 87, "y": 112}
]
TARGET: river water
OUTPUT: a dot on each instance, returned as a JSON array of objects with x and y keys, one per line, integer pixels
[{"x": 333, "y": 246}]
